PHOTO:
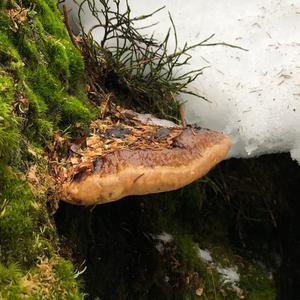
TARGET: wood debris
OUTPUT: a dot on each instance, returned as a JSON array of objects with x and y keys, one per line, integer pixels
[{"x": 17, "y": 17}]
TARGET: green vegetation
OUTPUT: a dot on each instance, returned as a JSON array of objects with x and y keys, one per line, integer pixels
[
  {"x": 29, "y": 264},
  {"x": 196, "y": 220},
  {"x": 9, "y": 133},
  {"x": 40, "y": 65},
  {"x": 49, "y": 280},
  {"x": 256, "y": 284},
  {"x": 42, "y": 82}
]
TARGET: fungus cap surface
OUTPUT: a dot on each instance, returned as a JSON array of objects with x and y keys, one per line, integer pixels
[{"x": 127, "y": 172}]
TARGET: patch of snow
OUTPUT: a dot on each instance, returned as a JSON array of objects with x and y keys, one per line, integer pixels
[
  {"x": 205, "y": 255},
  {"x": 161, "y": 240},
  {"x": 151, "y": 120},
  {"x": 164, "y": 237},
  {"x": 230, "y": 276},
  {"x": 160, "y": 247},
  {"x": 255, "y": 95}
]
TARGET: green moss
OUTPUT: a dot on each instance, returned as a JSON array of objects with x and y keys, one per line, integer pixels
[
  {"x": 58, "y": 58},
  {"x": 45, "y": 129},
  {"x": 6, "y": 89},
  {"x": 40, "y": 64},
  {"x": 9, "y": 133},
  {"x": 50, "y": 17},
  {"x": 75, "y": 111},
  {"x": 65, "y": 274},
  {"x": 47, "y": 86},
  {"x": 52, "y": 279},
  {"x": 256, "y": 284},
  {"x": 9, "y": 56},
  {"x": 30, "y": 51},
  {"x": 26, "y": 237},
  {"x": 76, "y": 66},
  {"x": 3, "y": 3},
  {"x": 10, "y": 282},
  {"x": 18, "y": 227},
  {"x": 46, "y": 67},
  {"x": 187, "y": 250}
]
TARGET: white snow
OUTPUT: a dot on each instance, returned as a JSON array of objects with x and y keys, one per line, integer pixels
[
  {"x": 160, "y": 248},
  {"x": 255, "y": 95},
  {"x": 204, "y": 255},
  {"x": 151, "y": 120},
  {"x": 164, "y": 237},
  {"x": 230, "y": 276},
  {"x": 162, "y": 240}
]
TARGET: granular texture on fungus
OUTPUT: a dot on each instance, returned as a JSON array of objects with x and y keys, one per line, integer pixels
[{"x": 123, "y": 156}]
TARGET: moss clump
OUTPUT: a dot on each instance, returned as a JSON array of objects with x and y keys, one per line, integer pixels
[
  {"x": 18, "y": 223},
  {"x": 52, "y": 279},
  {"x": 73, "y": 112},
  {"x": 10, "y": 281},
  {"x": 28, "y": 262},
  {"x": 46, "y": 68},
  {"x": 9, "y": 132},
  {"x": 42, "y": 84},
  {"x": 256, "y": 283}
]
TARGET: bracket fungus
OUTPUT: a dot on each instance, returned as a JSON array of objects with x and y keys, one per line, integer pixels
[{"x": 128, "y": 157}]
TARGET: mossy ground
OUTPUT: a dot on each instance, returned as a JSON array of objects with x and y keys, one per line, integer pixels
[
  {"x": 40, "y": 65},
  {"x": 42, "y": 90},
  {"x": 29, "y": 263}
]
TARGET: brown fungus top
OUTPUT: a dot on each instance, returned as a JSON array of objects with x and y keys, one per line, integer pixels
[{"x": 123, "y": 156}]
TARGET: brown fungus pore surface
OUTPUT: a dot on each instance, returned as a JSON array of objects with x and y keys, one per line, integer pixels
[{"x": 130, "y": 158}]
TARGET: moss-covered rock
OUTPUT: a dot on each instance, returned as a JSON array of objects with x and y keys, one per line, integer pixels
[
  {"x": 39, "y": 62},
  {"x": 42, "y": 90}
]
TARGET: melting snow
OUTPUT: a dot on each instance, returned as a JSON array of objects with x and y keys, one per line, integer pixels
[
  {"x": 151, "y": 120},
  {"x": 205, "y": 255},
  {"x": 231, "y": 277},
  {"x": 164, "y": 237},
  {"x": 228, "y": 275}
]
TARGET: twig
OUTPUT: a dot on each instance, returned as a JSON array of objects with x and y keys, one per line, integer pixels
[
  {"x": 66, "y": 21},
  {"x": 182, "y": 115}
]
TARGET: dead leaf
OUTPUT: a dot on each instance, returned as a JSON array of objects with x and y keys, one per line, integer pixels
[
  {"x": 31, "y": 175},
  {"x": 199, "y": 291}
]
